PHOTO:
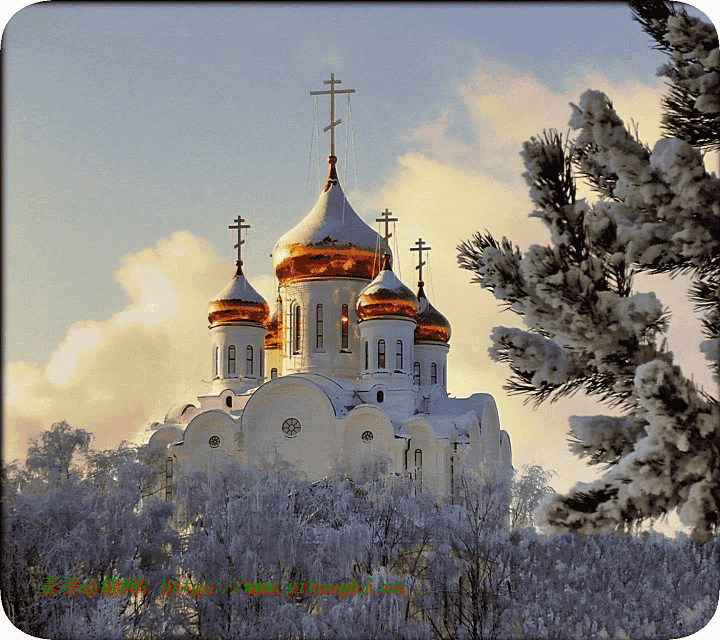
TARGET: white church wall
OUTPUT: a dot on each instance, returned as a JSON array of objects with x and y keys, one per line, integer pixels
[
  {"x": 211, "y": 441},
  {"x": 309, "y": 438},
  {"x": 427, "y": 354},
  {"x": 392, "y": 330},
  {"x": 332, "y": 359},
  {"x": 239, "y": 375}
]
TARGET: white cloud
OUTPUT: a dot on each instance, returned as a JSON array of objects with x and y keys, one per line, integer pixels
[{"x": 114, "y": 377}]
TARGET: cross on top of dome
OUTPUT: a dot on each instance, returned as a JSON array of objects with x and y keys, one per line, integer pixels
[
  {"x": 239, "y": 226},
  {"x": 420, "y": 248},
  {"x": 386, "y": 219},
  {"x": 332, "y": 93}
]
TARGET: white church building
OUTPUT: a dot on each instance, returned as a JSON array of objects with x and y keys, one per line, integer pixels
[{"x": 351, "y": 364}]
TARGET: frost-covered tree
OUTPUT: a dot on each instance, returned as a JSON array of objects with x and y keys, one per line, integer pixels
[
  {"x": 81, "y": 525},
  {"x": 527, "y": 491},
  {"x": 657, "y": 211}
]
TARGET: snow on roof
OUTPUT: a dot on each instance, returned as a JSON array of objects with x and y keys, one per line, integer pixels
[
  {"x": 239, "y": 289},
  {"x": 340, "y": 397},
  {"x": 331, "y": 221}
]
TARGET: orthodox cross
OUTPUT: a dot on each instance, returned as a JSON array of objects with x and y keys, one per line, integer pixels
[
  {"x": 420, "y": 248},
  {"x": 239, "y": 226},
  {"x": 385, "y": 217},
  {"x": 332, "y": 93}
]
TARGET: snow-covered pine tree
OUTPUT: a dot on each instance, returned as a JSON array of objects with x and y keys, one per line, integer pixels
[{"x": 658, "y": 211}]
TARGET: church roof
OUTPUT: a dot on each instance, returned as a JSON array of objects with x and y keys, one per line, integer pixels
[
  {"x": 385, "y": 296},
  {"x": 331, "y": 241},
  {"x": 238, "y": 302},
  {"x": 432, "y": 325},
  {"x": 343, "y": 399}
]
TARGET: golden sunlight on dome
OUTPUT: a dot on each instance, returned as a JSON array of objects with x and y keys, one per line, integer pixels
[
  {"x": 238, "y": 303},
  {"x": 386, "y": 296},
  {"x": 432, "y": 326},
  {"x": 331, "y": 241}
]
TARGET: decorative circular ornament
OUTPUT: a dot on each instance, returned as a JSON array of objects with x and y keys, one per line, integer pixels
[
  {"x": 214, "y": 442},
  {"x": 367, "y": 436},
  {"x": 291, "y": 427}
]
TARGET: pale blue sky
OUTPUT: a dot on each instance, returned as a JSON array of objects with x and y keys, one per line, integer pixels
[{"x": 127, "y": 122}]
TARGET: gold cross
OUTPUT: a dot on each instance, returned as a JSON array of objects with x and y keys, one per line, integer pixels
[
  {"x": 239, "y": 226},
  {"x": 332, "y": 93},
  {"x": 420, "y": 248},
  {"x": 385, "y": 217}
]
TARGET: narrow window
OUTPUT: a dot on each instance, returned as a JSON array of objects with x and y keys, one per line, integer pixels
[
  {"x": 319, "y": 326},
  {"x": 399, "y": 356},
  {"x": 445, "y": 375},
  {"x": 416, "y": 374},
  {"x": 273, "y": 373},
  {"x": 433, "y": 373},
  {"x": 231, "y": 359},
  {"x": 381, "y": 354},
  {"x": 249, "y": 361},
  {"x": 297, "y": 329},
  {"x": 344, "y": 328},
  {"x": 168, "y": 478},
  {"x": 452, "y": 475},
  {"x": 418, "y": 466},
  {"x": 262, "y": 363},
  {"x": 367, "y": 355},
  {"x": 381, "y": 396},
  {"x": 228, "y": 401},
  {"x": 216, "y": 363}
]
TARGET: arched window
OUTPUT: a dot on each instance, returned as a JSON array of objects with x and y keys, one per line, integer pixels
[
  {"x": 418, "y": 466},
  {"x": 399, "y": 356},
  {"x": 381, "y": 354},
  {"x": 262, "y": 363},
  {"x": 416, "y": 374},
  {"x": 367, "y": 355},
  {"x": 273, "y": 373},
  {"x": 249, "y": 361},
  {"x": 319, "y": 327},
  {"x": 433, "y": 373},
  {"x": 216, "y": 363},
  {"x": 296, "y": 337},
  {"x": 231, "y": 359},
  {"x": 344, "y": 322},
  {"x": 228, "y": 401}
]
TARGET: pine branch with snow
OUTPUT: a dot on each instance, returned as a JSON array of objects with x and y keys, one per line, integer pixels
[{"x": 586, "y": 329}]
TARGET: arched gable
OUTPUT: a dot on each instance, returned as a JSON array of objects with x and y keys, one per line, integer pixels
[
  {"x": 362, "y": 419},
  {"x": 490, "y": 430},
  {"x": 419, "y": 430},
  {"x": 205, "y": 429},
  {"x": 163, "y": 437},
  {"x": 292, "y": 398}
]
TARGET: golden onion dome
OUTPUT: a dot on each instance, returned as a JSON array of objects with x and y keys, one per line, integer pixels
[
  {"x": 432, "y": 326},
  {"x": 386, "y": 296},
  {"x": 330, "y": 242},
  {"x": 238, "y": 303},
  {"x": 273, "y": 337}
]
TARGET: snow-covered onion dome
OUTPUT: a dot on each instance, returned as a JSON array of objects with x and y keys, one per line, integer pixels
[
  {"x": 331, "y": 241},
  {"x": 238, "y": 303},
  {"x": 273, "y": 337},
  {"x": 432, "y": 326},
  {"x": 386, "y": 296}
]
